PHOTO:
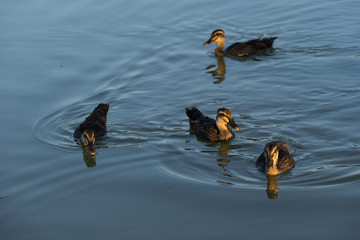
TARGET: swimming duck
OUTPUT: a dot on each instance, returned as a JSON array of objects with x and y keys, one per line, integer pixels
[
  {"x": 208, "y": 129},
  {"x": 93, "y": 127},
  {"x": 275, "y": 159},
  {"x": 238, "y": 49}
]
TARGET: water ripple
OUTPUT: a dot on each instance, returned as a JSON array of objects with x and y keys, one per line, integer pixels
[
  {"x": 233, "y": 164},
  {"x": 56, "y": 130}
]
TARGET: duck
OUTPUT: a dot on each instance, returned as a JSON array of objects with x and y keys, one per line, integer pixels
[
  {"x": 275, "y": 158},
  {"x": 238, "y": 49},
  {"x": 94, "y": 126},
  {"x": 208, "y": 129}
]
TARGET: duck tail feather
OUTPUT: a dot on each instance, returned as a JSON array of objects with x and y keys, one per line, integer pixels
[
  {"x": 193, "y": 113},
  {"x": 269, "y": 41}
]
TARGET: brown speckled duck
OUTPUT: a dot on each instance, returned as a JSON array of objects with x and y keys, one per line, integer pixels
[
  {"x": 208, "y": 129},
  {"x": 239, "y": 49},
  {"x": 275, "y": 159},
  {"x": 93, "y": 127}
]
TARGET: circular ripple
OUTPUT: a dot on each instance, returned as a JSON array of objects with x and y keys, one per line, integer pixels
[
  {"x": 56, "y": 130},
  {"x": 232, "y": 165}
]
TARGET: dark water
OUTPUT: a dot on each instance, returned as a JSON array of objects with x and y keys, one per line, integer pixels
[{"x": 151, "y": 179}]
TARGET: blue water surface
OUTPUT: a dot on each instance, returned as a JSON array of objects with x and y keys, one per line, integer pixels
[{"x": 151, "y": 178}]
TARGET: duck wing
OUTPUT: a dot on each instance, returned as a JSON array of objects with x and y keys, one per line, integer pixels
[
  {"x": 261, "y": 163},
  {"x": 98, "y": 127},
  {"x": 240, "y": 49},
  {"x": 285, "y": 162},
  {"x": 197, "y": 118},
  {"x": 96, "y": 121},
  {"x": 203, "y": 127},
  {"x": 261, "y": 43},
  {"x": 250, "y": 47},
  {"x": 207, "y": 130}
]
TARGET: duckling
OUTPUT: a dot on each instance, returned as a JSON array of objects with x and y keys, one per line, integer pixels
[
  {"x": 238, "y": 49},
  {"x": 275, "y": 159},
  {"x": 208, "y": 129},
  {"x": 93, "y": 127}
]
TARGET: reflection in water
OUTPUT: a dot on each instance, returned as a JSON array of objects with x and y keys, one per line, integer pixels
[
  {"x": 272, "y": 186},
  {"x": 219, "y": 72},
  {"x": 89, "y": 159},
  {"x": 224, "y": 148},
  {"x": 223, "y": 163}
]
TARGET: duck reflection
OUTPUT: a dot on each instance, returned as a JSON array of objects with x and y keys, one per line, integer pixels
[
  {"x": 89, "y": 159},
  {"x": 272, "y": 189},
  {"x": 223, "y": 149},
  {"x": 219, "y": 73},
  {"x": 223, "y": 163},
  {"x": 222, "y": 160}
]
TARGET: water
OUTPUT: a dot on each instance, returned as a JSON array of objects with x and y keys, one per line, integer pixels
[{"x": 151, "y": 177}]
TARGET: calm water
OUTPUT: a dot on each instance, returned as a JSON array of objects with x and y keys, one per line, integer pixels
[{"x": 151, "y": 178}]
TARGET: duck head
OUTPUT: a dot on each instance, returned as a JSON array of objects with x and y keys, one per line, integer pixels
[
  {"x": 217, "y": 36},
  {"x": 88, "y": 139},
  {"x": 224, "y": 116},
  {"x": 271, "y": 154}
]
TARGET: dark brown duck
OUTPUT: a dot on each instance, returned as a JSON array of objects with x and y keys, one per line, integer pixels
[
  {"x": 208, "y": 129},
  {"x": 93, "y": 127},
  {"x": 239, "y": 49},
  {"x": 275, "y": 158}
]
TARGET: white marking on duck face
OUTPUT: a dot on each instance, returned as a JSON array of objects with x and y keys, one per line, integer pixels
[
  {"x": 90, "y": 135},
  {"x": 221, "y": 122},
  {"x": 218, "y": 32},
  {"x": 219, "y": 39},
  {"x": 84, "y": 140},
  {"x": 226, "y": 114},
  {"x": 273, "y": 155},
  {"x": 224, "y": 119},
  {"x": 87, "y": 137}
]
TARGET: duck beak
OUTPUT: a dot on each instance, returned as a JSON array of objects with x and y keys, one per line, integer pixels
[
  {"x": 208, "y": 42},
  {"x": 234, "y": 125},
  {"x": 91, "y": 149}
]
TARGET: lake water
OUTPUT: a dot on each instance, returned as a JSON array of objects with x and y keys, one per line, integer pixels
[{"x": 151, "y": 178}]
